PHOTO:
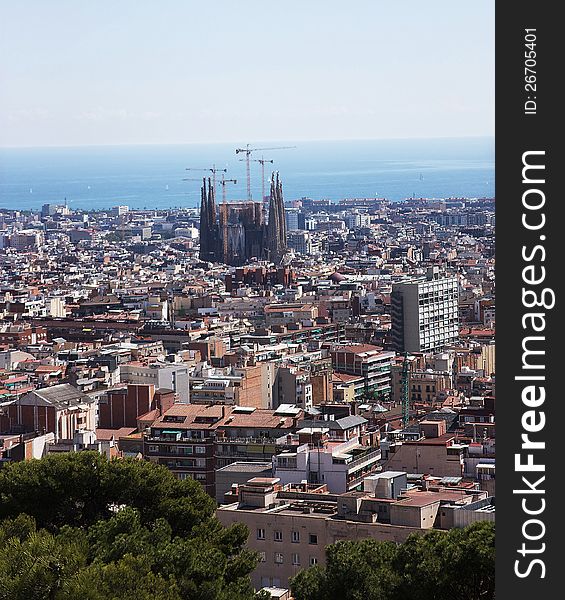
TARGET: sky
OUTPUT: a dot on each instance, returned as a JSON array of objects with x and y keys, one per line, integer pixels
[{"x": 81, "y": 72}]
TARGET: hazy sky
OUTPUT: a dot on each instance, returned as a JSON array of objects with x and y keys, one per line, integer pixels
[{"x": 77, "y": 72}]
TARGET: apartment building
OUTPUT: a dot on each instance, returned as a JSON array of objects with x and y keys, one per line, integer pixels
[
  {"x": 285, "y": 314},
  {"x": 194, "y": 440},
  {"x": 424, "y": 385},
  {"x": 161, "y": 375},
  {"x": 366, "y": 361},
  {"x": 317, "y": 459},
  {"x": 241, "y": 386},
  {"x": 292, "y": 385},
  {"x": 441, "y": 456},
  {"x": 182, "y": 439},
  {"x": 291, "y": 525},
  {"x": 425, "y": 313}
]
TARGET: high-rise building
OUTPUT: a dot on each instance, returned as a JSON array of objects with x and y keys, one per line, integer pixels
[
  {"x": 118, "y": 211},
  {"x": 291, "y": 216},
  {"x": 425, "y": 313},
  {"x": 48, "y": 210}
]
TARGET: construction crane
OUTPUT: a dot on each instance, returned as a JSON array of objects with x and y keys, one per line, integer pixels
[
  {"x": 405, "y": 391},
  {"x": 262, "y": 162},
  {"x": 224, "y": 216},
  {"x": 248, "y": 152},
  {"x": 212, "y": 170},
  {"x": 223, "y": 184}
]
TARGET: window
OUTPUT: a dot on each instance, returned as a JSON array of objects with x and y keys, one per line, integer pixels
[
  {"x": 313, "y": 538},
  {"x": 262, "y": 557},
  {"x": 278, "y": 536},
  {"x": 260, "y": 534},
  {"x": 200, "y": 450},
  {"x": 296, "y": 559},
  {"x": 153, "y": 448},
  {"x": 295, "y": 537},
  {"x": 313, "y": 561},
  {"x": 279, "y": 558}
]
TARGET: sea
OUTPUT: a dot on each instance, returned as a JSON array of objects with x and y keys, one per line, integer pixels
[{"x": 169, "y": 176}]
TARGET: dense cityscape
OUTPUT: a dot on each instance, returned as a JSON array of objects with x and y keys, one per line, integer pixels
[{"x": 325, "y": 371}]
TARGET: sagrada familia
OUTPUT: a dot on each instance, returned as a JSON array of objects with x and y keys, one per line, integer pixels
[{"x": 234, "y": 232}]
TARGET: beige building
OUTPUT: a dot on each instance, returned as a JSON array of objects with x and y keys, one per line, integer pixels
[
  {"x": 293, "y": 536},
  {"x": 345, "y": 387},
  {"x": 423, "y": 385},
  {"x": 290, "y": 526},
  {"x": 241, "y": 386},
  {"x": 285, "y": 314},
  {"x": 440, "y": 456}
]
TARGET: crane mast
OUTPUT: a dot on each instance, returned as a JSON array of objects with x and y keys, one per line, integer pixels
[
  {"x": 248, "y": 151},
  {"x": 212, "y": 170},
  {"x": 224, "y": 216},
  {"x": 223, "y": 184}
]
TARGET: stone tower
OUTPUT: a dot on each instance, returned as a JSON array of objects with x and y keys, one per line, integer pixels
[
  {"x": 209, "y": 234},
  {"x": 276, "y": 227}
]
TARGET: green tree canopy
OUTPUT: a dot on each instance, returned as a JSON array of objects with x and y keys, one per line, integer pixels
[
  {"x": 79, "y": 526},
  {"x": 439, "y": 565}
]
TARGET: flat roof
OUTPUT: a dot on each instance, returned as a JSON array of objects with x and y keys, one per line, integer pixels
[{"x": 247, "y": 467}]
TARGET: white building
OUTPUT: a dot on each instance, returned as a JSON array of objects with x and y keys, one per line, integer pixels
[
  {"x": 167, "y": 376},
  {"x": 341, "y": 466},
  {"x": 425, "y": 313}
]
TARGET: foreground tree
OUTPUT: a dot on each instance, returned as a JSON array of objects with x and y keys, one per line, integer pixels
[
  {"x": 77, "y": 526},
  {"x": 436, "y": 566}
]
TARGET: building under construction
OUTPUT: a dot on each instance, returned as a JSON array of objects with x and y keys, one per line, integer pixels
[{"x": 235, "y": 232}]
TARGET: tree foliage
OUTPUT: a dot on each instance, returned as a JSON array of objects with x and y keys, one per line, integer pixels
[
  {"x": 78, "y": 526},
  {"x": 436, "y": 566}
]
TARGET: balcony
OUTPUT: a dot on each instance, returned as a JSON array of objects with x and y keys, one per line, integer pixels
[
  {"x": 362, "y": 459},
  {"x": 247, "y": 440}
]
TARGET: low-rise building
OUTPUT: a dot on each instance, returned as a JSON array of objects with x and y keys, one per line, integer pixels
[
  {"x": 58, "y": 409},
  {"x": 161, "y": 375},
  {"x": 291, "y": 525},
  {"x": 341, "y": 465}
]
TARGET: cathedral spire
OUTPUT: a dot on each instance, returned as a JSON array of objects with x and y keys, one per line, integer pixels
[
  {"x": 208, "y": 225},
  {"x": 276, "y": 227}
]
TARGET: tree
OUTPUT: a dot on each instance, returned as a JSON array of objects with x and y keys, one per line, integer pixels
[
  {"x": 79, "y": 526},
  {"x": 438, "y": 565}
]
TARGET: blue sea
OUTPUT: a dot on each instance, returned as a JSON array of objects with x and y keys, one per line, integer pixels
[{"x": 97, "y": 177}]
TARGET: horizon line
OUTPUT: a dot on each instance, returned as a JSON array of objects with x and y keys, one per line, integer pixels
[{"x": 217, "y": 143}]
